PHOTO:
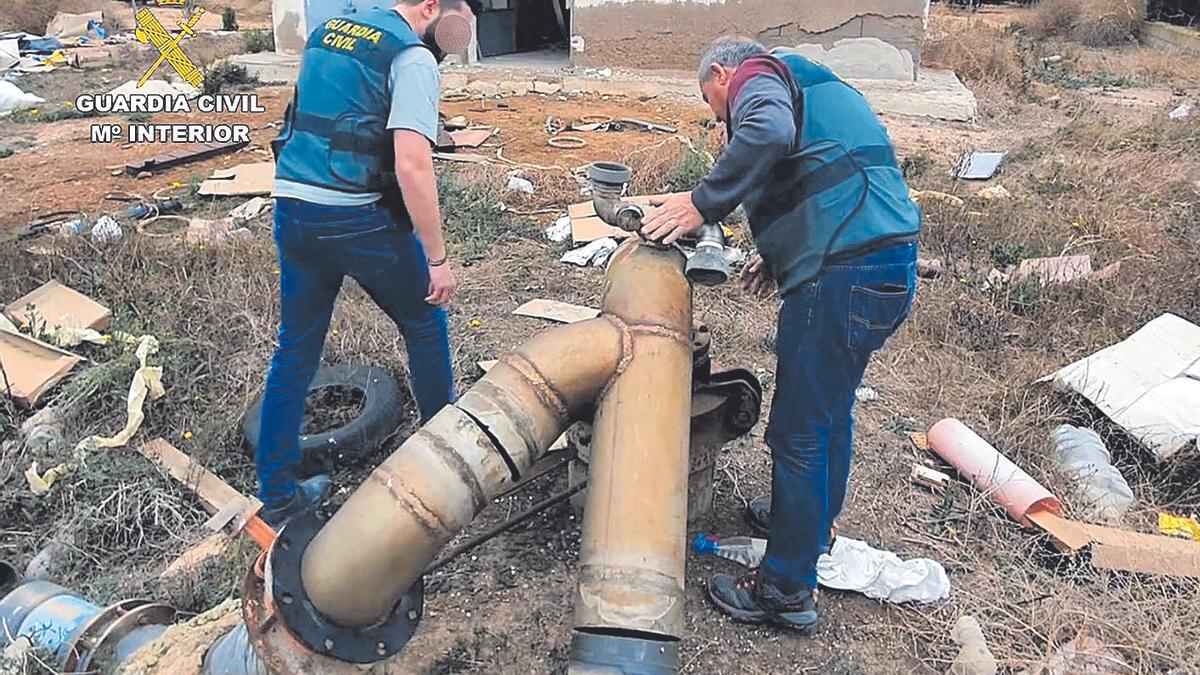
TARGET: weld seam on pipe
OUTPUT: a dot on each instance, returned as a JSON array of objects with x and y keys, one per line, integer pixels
[
  {"x": 409, "y": 502},
  {"x": 661, "y": 331},
  {"x": 540, "y": 384},
  {"x": 455, "y": 462}
]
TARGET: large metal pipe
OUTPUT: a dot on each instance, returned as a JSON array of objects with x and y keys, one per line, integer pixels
[
  {"x": 82, "y": 637},
  {"x": 441, "y": 477},
  {"x": 436, "y": 483},
  {"x": 631, "y": 575}
]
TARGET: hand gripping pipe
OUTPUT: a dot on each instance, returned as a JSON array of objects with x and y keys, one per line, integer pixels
[{"x": 347, "y": 591}]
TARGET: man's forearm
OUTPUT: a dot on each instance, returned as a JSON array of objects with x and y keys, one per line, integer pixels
[{"x": 419, "y": 188}]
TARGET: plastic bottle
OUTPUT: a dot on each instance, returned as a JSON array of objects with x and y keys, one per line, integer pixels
[
  {"x": 748, "y": 551},
  {"x": 1100, "y": 489}
]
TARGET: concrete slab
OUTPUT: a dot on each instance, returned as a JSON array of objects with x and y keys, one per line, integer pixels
[
  {"x": 936, "y": 94},
  {"x": 269, "y": 67}
]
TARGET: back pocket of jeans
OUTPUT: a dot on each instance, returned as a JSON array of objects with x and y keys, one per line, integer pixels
[{"x": 875, "y": 313}]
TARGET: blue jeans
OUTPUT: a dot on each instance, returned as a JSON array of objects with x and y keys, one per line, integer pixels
[
  {"x": 828, "y": 329},
  {"x": 318, "y": 247}
]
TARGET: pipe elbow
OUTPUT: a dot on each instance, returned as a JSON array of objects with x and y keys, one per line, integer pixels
[{"x": 617, "y": 213}]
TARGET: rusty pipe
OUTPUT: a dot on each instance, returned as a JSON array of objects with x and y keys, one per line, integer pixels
[
  {"x": 413, "y": 503},
  {"x": 631, "y": 575},
  {"x": 377, "y": 544}
]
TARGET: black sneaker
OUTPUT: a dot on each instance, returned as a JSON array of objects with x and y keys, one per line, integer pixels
[
  {"x": 758, "y": 514},
  {"x": 309, "y": 493},
  {"x": 747, "y": 600}
]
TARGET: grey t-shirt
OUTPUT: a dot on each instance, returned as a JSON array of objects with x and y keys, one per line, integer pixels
[{"x": 416, "y": 88}]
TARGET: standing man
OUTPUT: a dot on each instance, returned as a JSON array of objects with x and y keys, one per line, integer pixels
[
  {"x": 835, "y": 228},
  {"x": 355, "y": 195}
]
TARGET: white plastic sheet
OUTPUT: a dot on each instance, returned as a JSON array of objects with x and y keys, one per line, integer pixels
[
  {"x": 12, "y": 98},
  {"x": 1149, "y": 383},
  {"x": 854, "y": 565},
  {"x": 595, "y": 254}
]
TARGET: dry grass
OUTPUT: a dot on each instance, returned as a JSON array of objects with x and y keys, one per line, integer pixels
[
  {"x": 1141, "y": 65},
  {"x": 1092, "y": 22},
  {"x": 1119, "y": 192},
  {"x": 978, "y": 52}
]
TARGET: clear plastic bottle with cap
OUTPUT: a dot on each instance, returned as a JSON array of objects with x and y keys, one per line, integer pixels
[{"x": 748, "y": 551}]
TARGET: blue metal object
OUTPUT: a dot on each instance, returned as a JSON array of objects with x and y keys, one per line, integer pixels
[{"x": 52, "y": 624}]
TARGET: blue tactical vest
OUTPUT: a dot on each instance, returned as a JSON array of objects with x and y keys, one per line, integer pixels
[
  {"x": 335, "y": 129},
  {"x": 839, "y": 193}
]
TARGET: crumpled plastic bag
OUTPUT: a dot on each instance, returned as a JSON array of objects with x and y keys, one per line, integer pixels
[
  {"x": 595, "y": 254},
  {"x": 560, "y": 231},
  {"x": 147, "y": 382},
  {"x": 12, "y": 98},
  {"x": 853, "y": 565}
]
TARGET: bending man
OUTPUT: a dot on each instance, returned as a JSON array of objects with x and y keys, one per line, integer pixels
[{"x": 835, "y": 228}]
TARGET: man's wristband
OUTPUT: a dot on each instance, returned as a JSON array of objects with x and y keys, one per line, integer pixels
[{"x": 438, "y": 263}]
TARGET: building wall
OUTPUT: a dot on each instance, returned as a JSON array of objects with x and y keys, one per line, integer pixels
[{"x": 857, "y": 38}]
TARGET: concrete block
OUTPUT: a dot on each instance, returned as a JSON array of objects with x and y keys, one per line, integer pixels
[
  {"x": 1167, "y": 35},
  {"x": 864, "y": 57},
  {"x": 268, "y": 67}
]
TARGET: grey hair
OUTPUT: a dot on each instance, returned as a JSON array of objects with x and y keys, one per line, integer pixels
[{"x": 729, "y": 51}]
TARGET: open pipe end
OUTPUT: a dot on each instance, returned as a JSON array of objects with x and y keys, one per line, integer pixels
[
  {"x": 8, "y": 577},
  {"x": 707, "y": 267},
  {"x": 596, "y": 651}
]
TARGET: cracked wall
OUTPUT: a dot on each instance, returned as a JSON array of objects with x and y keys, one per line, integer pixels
[{"x": 857, "y": 39}]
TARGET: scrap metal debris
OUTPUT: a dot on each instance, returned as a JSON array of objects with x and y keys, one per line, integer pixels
[
  {"x": 979, "y": 165},
  {"x": 195, "y": 153}
]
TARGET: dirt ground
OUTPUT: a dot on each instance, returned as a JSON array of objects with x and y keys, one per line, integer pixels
[{"x": 1094, "y": 167}]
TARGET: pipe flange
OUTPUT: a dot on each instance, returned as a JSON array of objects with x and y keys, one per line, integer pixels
[
  {"x": 98, "y": 645},
  {"x": 609, "y": 173},
  {"x": 366, "y": 644}
]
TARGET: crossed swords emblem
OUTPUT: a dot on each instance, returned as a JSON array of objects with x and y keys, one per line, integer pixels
[{"x": 150, "y": 31}]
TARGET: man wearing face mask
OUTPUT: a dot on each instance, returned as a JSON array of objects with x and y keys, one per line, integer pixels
[{"x": 355, "y": 195}]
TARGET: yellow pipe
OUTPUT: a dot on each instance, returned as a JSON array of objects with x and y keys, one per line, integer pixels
[
  {"x": 631, "y": 575},
  {"x": 379, "y": 542}
]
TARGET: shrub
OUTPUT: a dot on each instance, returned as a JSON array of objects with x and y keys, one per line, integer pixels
[{"x": 1094, "y": 23}]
